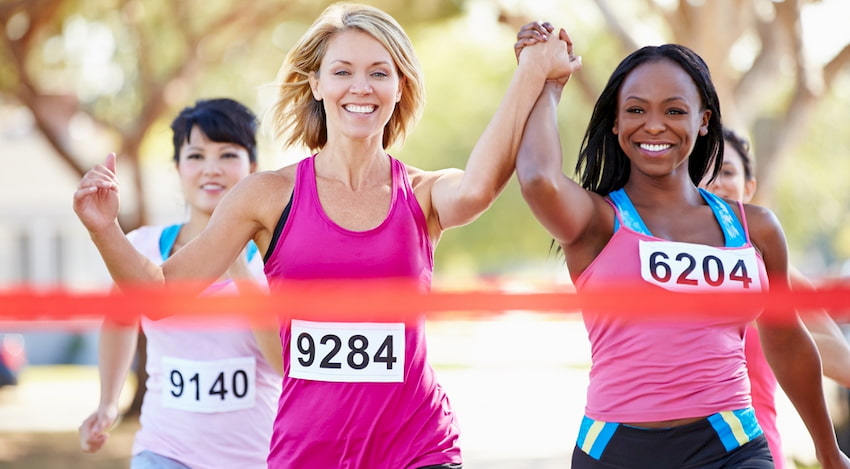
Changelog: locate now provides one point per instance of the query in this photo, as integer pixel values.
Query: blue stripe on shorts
(735, 427)
(594, 436)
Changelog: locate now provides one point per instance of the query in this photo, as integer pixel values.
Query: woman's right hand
(94, 430)
(96, 199)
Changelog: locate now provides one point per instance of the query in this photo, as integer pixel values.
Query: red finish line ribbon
(395, 301)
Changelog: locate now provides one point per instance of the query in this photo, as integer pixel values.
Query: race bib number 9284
(347, 352)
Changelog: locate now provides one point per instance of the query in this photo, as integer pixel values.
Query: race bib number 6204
(347, 352)
(685, 267)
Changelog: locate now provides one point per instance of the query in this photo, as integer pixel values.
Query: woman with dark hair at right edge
(665, 393)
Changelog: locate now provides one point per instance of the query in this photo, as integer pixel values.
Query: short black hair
(222, 120)
(742, 146)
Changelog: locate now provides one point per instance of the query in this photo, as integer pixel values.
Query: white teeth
(655, 147)
(359, 109)
(213, 187)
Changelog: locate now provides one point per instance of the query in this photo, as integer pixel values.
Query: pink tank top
(763, 384)
(210, 399)
(357, 394)
(652, 370)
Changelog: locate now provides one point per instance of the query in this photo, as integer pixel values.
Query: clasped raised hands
(557, 51)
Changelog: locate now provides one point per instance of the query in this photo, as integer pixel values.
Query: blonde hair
(298, 118)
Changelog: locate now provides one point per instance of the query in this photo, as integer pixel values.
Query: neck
(356, 164)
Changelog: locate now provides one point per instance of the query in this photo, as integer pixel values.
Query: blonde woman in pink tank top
(349, 89)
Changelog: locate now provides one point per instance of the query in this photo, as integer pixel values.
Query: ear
(703, 127)
(313, 78)
(616, 129)
(253, 167)
(401, 82)
(749, 190)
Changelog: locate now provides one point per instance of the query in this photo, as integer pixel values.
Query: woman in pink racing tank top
(665, 393)
(737, 181)
(357, 392)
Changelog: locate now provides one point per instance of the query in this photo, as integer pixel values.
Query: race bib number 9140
(209, 385)
(687, 267)
(347, 352)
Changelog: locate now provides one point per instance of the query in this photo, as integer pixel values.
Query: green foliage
(810, 200)
(117, 57)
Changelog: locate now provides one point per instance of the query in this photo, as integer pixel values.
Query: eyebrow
(227, 145)
(346, 62)
(667, 100)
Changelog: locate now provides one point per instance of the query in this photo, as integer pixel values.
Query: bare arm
(563, 207)
(116, 350)
(267, 336)
(572, 215)
(833, 347)
(458, 197)
(789, 348)
(206, 258)
(268, 340)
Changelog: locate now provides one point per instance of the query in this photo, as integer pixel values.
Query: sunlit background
(80, 78)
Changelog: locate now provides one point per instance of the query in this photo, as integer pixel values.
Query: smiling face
(659, 118)
(359, 86)
(208, 170)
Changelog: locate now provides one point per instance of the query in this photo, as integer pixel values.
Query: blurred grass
(39, 418)
(61, 450)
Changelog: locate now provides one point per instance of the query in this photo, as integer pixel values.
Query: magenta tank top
(357, 394)
(652, 369)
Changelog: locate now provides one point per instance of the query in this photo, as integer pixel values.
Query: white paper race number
(209, 386)
(360, 352)
(687, 267)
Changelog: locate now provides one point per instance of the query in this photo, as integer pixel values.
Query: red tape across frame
(388, 300)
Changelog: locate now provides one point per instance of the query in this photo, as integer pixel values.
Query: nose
(360, 85)
(654, 123)
(212, 166)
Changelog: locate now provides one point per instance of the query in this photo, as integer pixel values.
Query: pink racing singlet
(357, 394)
(210, 399)
(653, 370)
(763, 384)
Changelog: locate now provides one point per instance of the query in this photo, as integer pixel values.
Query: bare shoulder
(766, 233)
(266, 193)
(761, 220)
(284, 175)
(420, 177)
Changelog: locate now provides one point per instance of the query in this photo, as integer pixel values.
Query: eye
(634, 110)
(380, 74)
(677, 112)
(342, 73)
(194, 156)
(229, 154)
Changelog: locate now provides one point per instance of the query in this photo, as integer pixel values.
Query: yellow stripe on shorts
(736, 426)
(592, 435)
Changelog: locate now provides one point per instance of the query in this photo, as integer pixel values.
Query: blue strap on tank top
(733, 231)
(169, 236)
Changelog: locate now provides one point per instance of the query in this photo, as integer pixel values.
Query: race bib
(209, 386)
(684, 267)
(358, 352)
